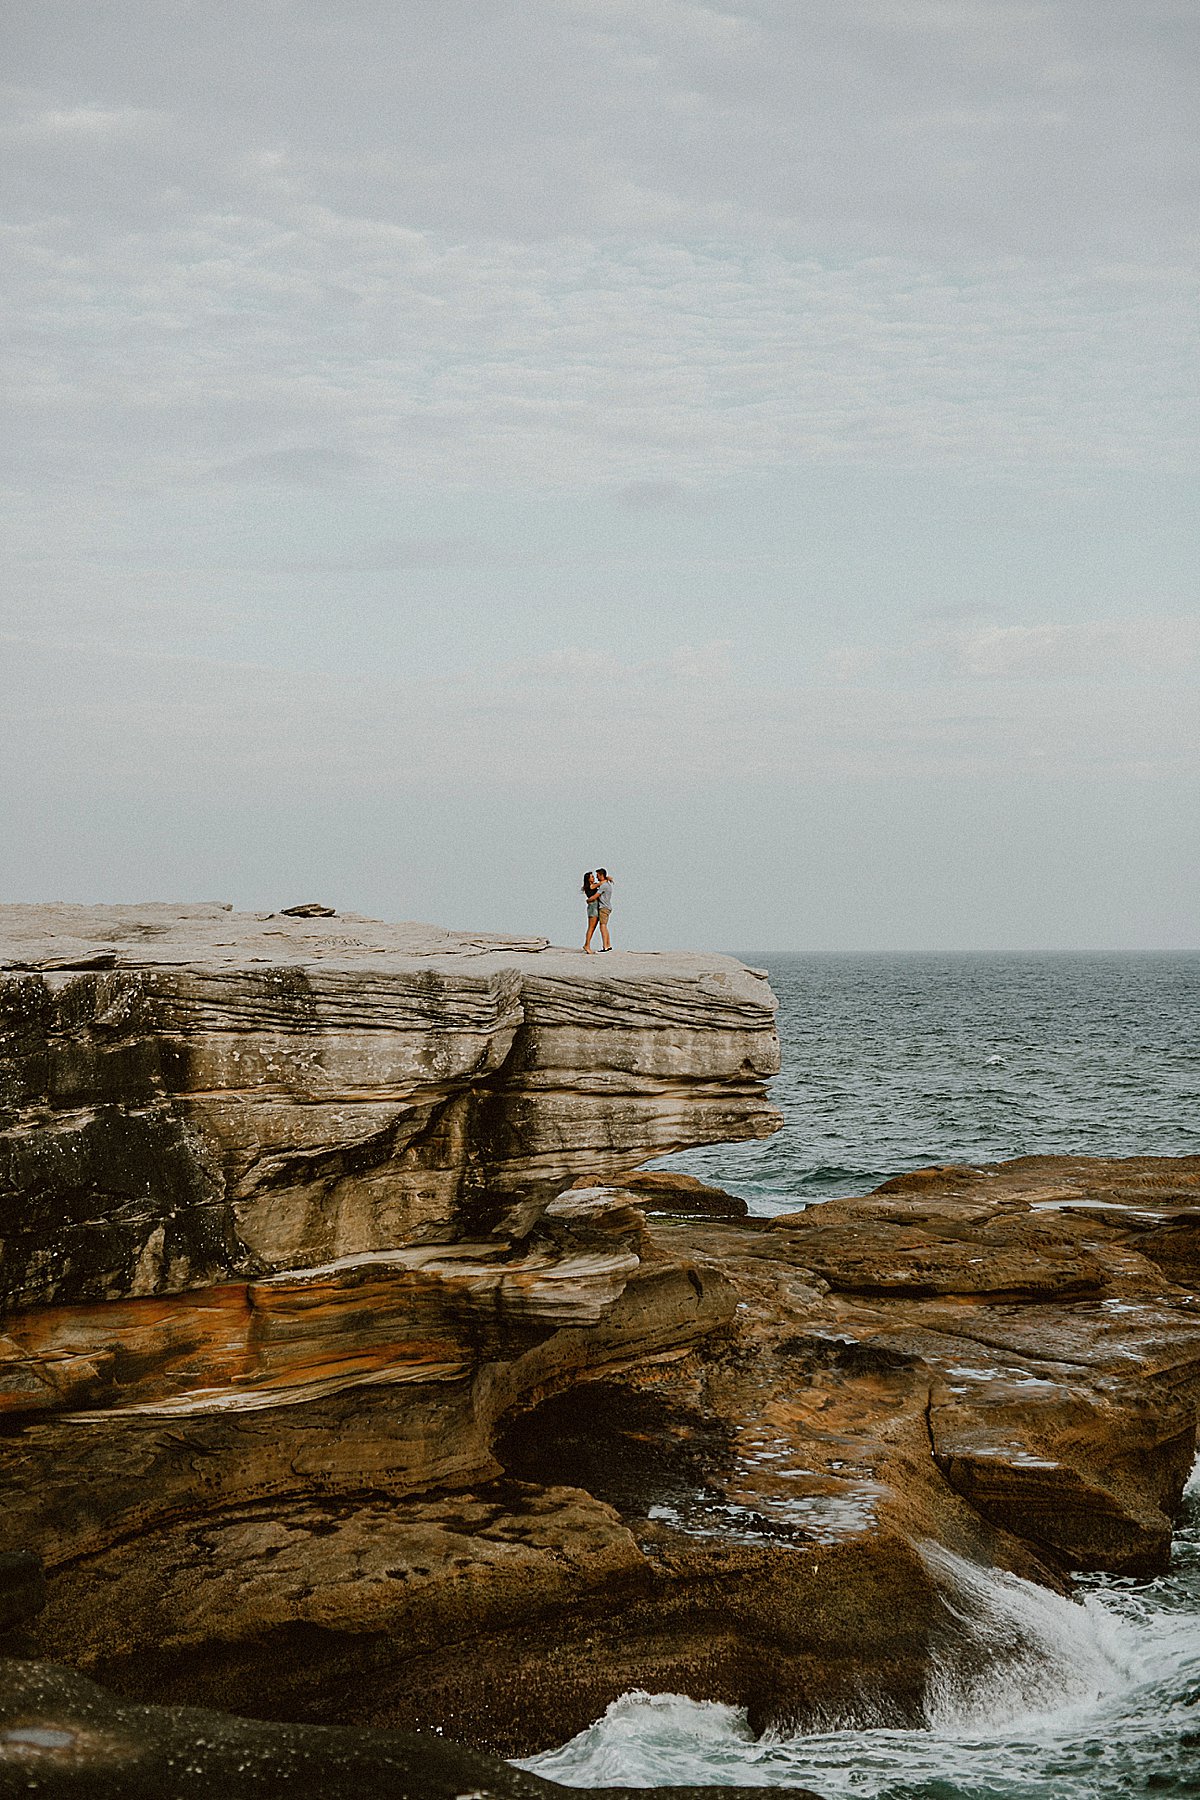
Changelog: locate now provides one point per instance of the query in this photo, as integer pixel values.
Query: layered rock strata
(282, 1242)
(189, 1094)
(439, 1440)
(763, 1475)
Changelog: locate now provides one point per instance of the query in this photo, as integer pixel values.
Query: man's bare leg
(604, 931)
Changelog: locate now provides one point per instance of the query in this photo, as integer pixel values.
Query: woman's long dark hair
(589, 883)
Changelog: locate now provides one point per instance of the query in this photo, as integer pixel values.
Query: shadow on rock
(61, 1736)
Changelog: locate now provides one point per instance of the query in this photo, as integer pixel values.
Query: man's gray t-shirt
(604, 897)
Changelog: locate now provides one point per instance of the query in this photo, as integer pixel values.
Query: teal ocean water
(895, 1062)
(891, 1063)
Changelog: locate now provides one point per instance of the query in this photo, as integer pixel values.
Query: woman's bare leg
(587, 942)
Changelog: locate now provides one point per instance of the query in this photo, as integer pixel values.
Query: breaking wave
(1036, 1697)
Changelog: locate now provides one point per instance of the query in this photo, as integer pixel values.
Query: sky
(751, 445)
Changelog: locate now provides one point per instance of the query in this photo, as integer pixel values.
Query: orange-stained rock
(723, 1478)
(425, 1314)
(327, 1398)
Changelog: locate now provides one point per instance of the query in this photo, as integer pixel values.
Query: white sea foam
(1033, 1697)
(1019, 1651)
(656, 1740)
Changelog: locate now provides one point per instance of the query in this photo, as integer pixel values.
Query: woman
(591, 887)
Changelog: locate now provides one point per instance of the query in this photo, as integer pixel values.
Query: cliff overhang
(190, 1095)
(351, 1374)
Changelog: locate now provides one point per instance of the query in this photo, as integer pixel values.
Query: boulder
(663, 1191)
(66, 1739)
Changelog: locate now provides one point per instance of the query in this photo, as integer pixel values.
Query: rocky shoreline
(353, 1376)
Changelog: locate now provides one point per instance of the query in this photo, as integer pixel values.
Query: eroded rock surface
(287, 1232)
(441, 1423)
(663, 1191)
(234, 1095)
(755, 1474)
(66, 1739)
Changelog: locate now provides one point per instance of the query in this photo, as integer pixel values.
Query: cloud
(656, 496)
(177, 724)
(388, 554)
(646, 246)
(711, 662)
(572, 667)
(664, 18)
(569, 668)
(304, 298)
(311, 465)
(660, 368)
(1074, 650)
(854, 662)
(915, 127)
(91, 125)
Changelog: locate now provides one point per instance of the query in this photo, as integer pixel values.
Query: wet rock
(22, 1587)
(327, 1399)
(663, 1191)
(66, 1739)
(728, 1485)
(1058, 1366)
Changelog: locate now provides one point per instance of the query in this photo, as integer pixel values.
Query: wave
(1034, 1696)
(821, 1174)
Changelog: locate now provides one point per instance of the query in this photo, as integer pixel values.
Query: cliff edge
(288, 1230)
(189, 1094)
(351, 1376)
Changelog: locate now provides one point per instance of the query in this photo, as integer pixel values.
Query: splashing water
(1090, 1699)
(890, 1063)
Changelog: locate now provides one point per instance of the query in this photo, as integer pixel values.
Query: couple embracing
(597, 891)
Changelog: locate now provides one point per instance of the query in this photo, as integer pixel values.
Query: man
(604, 902)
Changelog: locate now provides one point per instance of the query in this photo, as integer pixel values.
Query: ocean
(896, 1062)
(892, 1063)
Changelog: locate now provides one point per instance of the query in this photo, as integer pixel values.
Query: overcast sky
(752, 445)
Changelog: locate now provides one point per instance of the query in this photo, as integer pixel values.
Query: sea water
(1096, 1698)
(892, 1063)
(896, 1062)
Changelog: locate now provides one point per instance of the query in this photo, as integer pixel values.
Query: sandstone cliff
(328, 1399)
(764, 1474)
(188, 1094)
(280, 1233)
